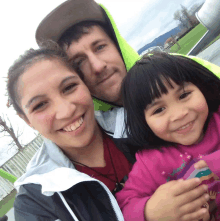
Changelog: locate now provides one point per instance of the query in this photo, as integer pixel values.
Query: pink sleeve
(213, 162)
(138, 189)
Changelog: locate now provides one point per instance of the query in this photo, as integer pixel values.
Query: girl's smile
(178, 116)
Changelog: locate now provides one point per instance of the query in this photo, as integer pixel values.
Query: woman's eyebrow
(33, 100)
(44, 95)
(67, 79)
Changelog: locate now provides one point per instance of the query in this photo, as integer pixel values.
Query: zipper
(112, 199)
(67, 206)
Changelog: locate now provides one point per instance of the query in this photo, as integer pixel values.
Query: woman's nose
(65, 109)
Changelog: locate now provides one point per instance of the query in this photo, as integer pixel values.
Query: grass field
(7, 203)
(189, 40)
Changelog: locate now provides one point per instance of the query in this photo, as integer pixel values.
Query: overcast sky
(139, 21)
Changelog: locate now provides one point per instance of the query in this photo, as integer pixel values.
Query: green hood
(212, 67)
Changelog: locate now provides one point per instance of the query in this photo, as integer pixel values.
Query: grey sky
(139, 21)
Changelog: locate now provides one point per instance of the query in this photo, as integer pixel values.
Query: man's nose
(64, 109)
(97, 64)
(178, 112)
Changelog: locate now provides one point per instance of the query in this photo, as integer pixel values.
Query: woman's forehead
(44, 75)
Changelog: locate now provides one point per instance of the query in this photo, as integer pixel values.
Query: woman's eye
(69, 88)
(39, 106)
(184, 95)
(159, 110)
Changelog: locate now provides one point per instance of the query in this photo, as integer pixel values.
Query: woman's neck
(93, 154)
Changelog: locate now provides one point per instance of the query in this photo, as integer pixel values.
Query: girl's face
(178, 116)
(57, 104)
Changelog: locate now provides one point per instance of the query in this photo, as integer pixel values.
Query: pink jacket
(154, 168)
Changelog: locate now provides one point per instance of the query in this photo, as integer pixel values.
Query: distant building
(169, 42)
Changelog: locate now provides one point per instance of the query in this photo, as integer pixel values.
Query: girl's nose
(178, 113)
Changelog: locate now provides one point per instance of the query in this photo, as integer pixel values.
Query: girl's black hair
(145, 82)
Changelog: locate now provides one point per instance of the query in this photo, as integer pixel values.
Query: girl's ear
(23, 117)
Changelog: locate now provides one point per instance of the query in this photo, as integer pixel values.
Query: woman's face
(57, 104)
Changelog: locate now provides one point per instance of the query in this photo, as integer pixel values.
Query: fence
(17, 165)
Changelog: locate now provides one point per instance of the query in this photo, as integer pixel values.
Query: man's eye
(184, 95)
(69, 88)
(78, 62)
(159, 110)
(100, 47)
(39, 106)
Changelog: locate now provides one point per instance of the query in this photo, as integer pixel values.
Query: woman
(62, 181)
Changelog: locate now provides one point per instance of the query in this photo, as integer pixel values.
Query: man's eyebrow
(97, 41)
(79, 54)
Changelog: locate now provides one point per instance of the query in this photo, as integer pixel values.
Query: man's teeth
(185, 126)
(75, 125)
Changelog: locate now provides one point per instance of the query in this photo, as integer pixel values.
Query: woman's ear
(23, 117)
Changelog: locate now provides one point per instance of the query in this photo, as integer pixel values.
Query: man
(89, 35)
(97, 49)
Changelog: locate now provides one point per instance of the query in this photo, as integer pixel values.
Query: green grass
(7, 203)
(189, 40)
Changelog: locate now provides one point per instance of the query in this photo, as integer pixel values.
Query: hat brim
(66, 15)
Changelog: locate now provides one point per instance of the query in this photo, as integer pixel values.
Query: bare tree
(7, 130)
(185, 19)
(186, 15)
(178, 17)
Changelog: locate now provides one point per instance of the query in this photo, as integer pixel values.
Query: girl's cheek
(158, 126)
(201, 104)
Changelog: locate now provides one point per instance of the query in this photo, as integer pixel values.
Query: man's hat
(67, 14)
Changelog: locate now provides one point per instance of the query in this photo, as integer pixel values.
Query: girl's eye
(39, 106)
(184, 95)
(159, 110)
(69, 88)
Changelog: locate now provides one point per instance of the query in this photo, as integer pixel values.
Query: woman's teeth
(75, 125)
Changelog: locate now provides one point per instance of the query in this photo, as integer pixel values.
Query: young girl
(173, 115)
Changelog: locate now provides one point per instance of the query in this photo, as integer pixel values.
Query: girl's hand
(200, 164)
(180, 200)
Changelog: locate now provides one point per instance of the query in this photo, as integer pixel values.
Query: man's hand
(180, 200)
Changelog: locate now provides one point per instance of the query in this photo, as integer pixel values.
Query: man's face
(101, 64)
